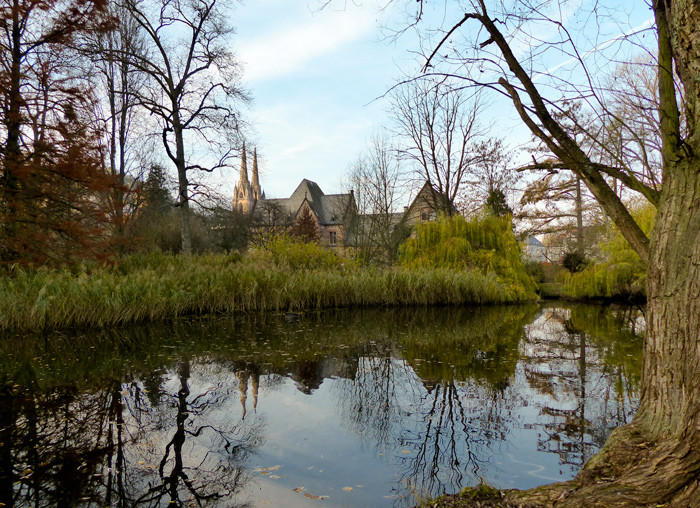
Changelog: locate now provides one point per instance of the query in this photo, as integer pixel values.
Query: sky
(317, 77)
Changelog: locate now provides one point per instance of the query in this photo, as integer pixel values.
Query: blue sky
(317, 76)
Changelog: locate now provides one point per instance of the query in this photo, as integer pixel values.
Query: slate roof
(531, 240)
(329, 208)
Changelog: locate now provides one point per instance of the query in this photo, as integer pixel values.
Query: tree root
(628, 471)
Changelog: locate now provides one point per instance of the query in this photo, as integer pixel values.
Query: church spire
(256, 178)
(243, 183)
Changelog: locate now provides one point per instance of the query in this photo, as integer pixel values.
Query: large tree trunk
(655, 460)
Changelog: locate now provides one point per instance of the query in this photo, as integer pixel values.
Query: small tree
(496, 203)
(305, 227)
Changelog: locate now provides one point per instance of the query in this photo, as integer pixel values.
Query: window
(331, 238)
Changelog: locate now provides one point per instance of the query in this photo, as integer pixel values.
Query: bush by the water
(617, 269)
(281, 276)
(486, 244)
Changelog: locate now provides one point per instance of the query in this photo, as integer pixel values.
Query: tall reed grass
(159, 286)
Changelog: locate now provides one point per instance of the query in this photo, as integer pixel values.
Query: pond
(369, 407)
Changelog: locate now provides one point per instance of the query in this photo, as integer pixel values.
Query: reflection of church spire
(255, 382)
(243, 388)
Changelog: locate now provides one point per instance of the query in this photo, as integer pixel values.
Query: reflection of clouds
(419, 387)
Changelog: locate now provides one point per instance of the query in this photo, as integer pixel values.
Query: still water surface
(339, 408)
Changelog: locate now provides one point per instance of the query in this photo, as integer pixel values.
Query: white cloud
(302, 39)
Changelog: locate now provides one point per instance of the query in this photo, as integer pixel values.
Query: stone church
(335, 215)
(332, 213)
(246, 194)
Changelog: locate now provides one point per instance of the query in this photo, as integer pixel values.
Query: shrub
(288, 252)
(535, 270)
(618, 270)
(574, 261)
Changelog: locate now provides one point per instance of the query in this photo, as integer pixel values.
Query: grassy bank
(159, 286)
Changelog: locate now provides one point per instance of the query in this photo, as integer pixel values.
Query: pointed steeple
(256, 178)
(243, 183)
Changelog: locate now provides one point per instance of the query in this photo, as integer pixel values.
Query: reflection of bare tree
(372, 400)
(49, 450)
(440, 410)
(206, 477)
(63, 448)
(580, 405)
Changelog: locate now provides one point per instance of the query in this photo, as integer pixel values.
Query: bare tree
(654, 459)
(375, 178)
(440, 125)
(107, 59)
(193, 86)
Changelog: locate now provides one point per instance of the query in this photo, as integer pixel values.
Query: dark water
(342, 408)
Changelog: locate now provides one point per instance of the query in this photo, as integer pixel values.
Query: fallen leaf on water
(299, 489)
(405, 451)
(276, 477)
(311, 496)
(265, 472)
(347, 489)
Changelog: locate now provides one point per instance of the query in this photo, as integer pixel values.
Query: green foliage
(157, 286)
(619, 271)
(574, 261)
(486, 244)
(226, 229)
(535, 270)
(294, 253)
(496, 203)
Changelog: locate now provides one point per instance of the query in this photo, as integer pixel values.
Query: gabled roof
(330, 209)
(531, 240)
(428, 195)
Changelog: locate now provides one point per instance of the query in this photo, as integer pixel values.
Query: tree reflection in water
(159, 415)
(431, 393)
(444, 398)
(580, 407)
(115, 447)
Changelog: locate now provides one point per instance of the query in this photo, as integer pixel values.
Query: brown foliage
(51, 164)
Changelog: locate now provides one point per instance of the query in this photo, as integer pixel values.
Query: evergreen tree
(496, 203)
(305, 227)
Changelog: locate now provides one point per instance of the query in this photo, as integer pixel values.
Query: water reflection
(229, 411)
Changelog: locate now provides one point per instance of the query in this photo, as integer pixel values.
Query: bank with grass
(283, 275)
